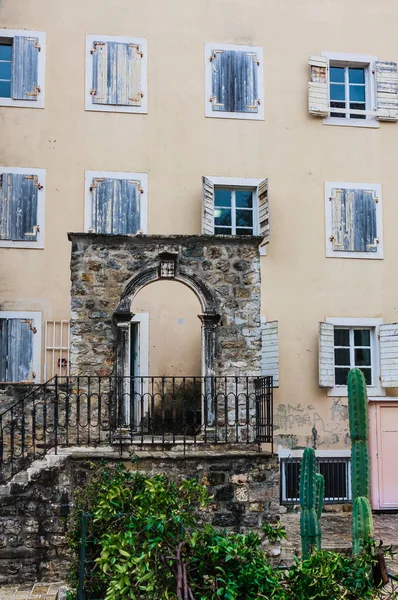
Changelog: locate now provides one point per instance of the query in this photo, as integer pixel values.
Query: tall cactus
(362, 521)
(311, 501)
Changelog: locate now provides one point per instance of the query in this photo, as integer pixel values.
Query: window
(353, 220)
(351, 89)
(20, 347)
(116, 74)
(352, 348)
(234, 81)
(116, 203)
(22, 59)
(22, 207)
(232, 206)
(335, 470)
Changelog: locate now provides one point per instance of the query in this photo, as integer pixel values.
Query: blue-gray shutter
(129, 91)
(25, 68)
(104, 72)
(354, 223)
(116, 206)
(234, 81)
(116, 74)
(16, 350)
(18, 207)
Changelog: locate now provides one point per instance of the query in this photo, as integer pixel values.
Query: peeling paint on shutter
(263, 211)
(18, 207)
(207, 207)
(318, 86)
(16, 350)
(270, 350)
(25, 64)
(386, 91)
(389, 354)
(129, 91)
(117, 74)
(116, 206)
(104, 72)
(234, 81)
(326, 355)
(354, 224)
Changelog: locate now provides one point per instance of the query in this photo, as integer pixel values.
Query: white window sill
(372, 123)
(25, 245)
(218, 114)
(116, 108)
(341, 391)
(367, 255)
(39, 103)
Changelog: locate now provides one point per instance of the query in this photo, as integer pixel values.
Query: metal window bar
(335, 469)
(57, 350)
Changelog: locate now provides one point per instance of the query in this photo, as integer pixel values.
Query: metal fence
(162, 411)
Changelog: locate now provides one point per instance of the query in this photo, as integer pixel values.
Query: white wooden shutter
(270, 350)
(389, 354)
(207, 207)
(263, 211)
(326, 355)
(318, 86)
(386, 91)
(129, 59)
(25, 61)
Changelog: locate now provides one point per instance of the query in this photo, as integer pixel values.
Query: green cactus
(311, 502)
(362, 524)
(362, 521)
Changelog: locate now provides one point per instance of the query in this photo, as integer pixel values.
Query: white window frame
(373, 324)
(245, 183)
(41, 194)
(36, 318)
(39, 103)
(259, 115)
(89, 105)
(355, 60)
(89, 176)
(375, 187)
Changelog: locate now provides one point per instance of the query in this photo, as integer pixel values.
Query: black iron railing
(161, 411)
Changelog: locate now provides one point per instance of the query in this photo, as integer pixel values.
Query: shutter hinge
(36, 229)
(254, 55)
(136, 46)
(95, 181)
(214, 55)
(95, 46)
(212, 98)
(36, 181)
(93, 92)
(33, 375)
(36, 91)
(35, 45)
(137, 98)
(257, 103)
(30, 323)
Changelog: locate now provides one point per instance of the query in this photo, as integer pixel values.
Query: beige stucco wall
(175, 144)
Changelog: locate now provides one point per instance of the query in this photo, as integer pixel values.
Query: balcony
(131, 413)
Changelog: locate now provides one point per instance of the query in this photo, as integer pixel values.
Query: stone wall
(12, 393)
(225, 270)
(33, 513)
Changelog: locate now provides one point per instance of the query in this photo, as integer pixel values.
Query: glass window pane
(340, 376)
(5, 70)
(337, 74)
(5, 89)
(222, 216)
(341, 337)
(337, 105)
(357, 93)
(244, 218)
(337, 92)
(361, 337)
(244, 231)
(222, 197)
(356, 75)
(222, 231)
(342, 356)
(362, 357)
(244, 198)
(357, 106)
(368, 375)
(5, 52)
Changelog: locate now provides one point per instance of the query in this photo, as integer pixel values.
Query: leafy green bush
(143, 542)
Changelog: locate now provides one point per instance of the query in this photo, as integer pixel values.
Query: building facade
(275, 120)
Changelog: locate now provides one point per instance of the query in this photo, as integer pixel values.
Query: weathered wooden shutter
(104, 72)
(386, 91)
(207, 207)
(16, 350)
(129, 87)
(354, 223)
(234, 81)
(25, 68)
(270, 350)
(326, 355)
(389, 354)
(318, 86)
(263, 211)
(116, 205)
(18, 207)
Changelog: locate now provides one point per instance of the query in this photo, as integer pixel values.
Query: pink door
(383, 429)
